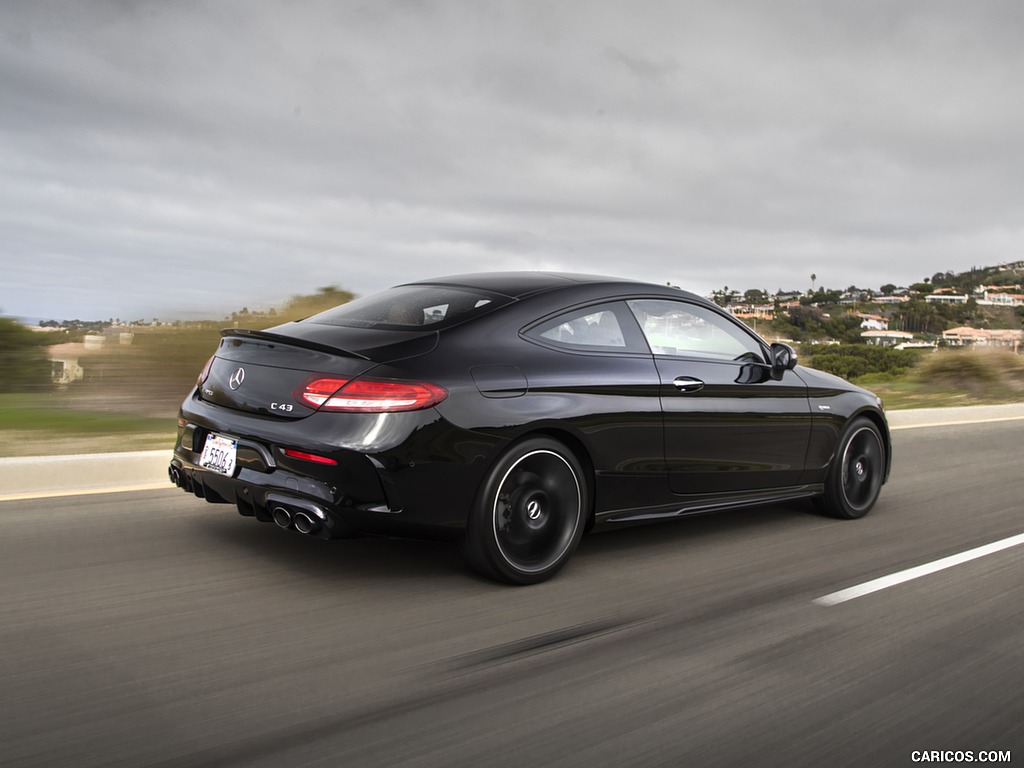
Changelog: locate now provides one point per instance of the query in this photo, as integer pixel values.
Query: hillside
(985, 298)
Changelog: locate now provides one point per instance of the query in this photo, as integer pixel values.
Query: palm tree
(814, 279)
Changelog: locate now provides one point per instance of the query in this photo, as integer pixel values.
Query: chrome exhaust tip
(305, 524)
(282, 517)
(175, 474)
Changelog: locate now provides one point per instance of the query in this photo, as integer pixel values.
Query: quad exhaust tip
(282, 517)
(305, 524)
(302, 522)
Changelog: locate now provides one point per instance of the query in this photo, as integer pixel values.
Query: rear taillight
(328, 393)
(205, 373)
(317, 390)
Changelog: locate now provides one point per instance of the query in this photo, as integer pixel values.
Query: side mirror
(784, 359)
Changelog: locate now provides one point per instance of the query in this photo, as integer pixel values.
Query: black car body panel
(661, 423)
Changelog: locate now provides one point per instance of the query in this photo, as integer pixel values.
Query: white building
(873, 322)
(886, 338)
(1000, 299)
(947, 298)
(64, 365)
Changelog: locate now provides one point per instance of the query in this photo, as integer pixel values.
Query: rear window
(412, 307)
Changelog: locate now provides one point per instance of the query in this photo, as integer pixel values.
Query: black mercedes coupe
(513, 412)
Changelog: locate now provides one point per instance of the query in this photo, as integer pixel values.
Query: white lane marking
(85, 492)
(955, 423)
(915, 573)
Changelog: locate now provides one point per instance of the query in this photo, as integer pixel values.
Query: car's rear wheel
(856, 474)
(529, 514)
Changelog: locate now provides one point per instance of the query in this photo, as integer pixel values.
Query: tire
(856, 473)
(529, 514)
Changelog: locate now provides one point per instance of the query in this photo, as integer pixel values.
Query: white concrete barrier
(24, 477)
(946, 417)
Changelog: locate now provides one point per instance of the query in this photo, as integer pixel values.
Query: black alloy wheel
(858, 468)
(530, 514)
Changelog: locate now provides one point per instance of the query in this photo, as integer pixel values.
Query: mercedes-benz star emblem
(237, 378)
(533, 510)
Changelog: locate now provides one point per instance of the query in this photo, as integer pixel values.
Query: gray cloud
(180, 158)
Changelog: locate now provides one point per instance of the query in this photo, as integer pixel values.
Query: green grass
(953, 377)
(902, 395)
(44, 412)
(39, 424)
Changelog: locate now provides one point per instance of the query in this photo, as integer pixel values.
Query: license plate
(219, 455)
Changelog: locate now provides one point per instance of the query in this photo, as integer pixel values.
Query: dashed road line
(900, 577)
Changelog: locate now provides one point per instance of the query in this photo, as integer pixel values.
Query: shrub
(973, 369)
(854, 360)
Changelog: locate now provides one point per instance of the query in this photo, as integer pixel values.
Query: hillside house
(886, 338)
(752, 311)
(65, 367)
(991, 298)
(980, 337)
(872, 322)
(947, 298)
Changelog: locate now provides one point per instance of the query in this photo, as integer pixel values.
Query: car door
(729, 425)
(592, 370)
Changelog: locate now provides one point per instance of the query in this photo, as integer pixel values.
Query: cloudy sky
(174, 159)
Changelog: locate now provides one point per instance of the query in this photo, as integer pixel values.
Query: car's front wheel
(856, 473)
(529, 514)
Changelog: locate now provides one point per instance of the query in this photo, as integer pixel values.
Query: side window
(687, 330)
(595, 328)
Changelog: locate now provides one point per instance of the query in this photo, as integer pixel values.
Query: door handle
(688, 384)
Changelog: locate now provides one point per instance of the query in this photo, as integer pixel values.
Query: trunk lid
(259, 371)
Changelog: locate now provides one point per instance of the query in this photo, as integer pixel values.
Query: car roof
(518, 285)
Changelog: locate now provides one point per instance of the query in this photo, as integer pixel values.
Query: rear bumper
(268, 502)
(326, 502)
(419, 483)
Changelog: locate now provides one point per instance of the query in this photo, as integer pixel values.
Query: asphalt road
(152, 629)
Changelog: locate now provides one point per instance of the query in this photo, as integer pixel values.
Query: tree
(23, 358)
(807, 318)
(966, 286)
(920, 317)
(821, 297)
(724, 297)
(888, 289)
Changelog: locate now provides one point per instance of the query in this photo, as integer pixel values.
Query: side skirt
(699, 505)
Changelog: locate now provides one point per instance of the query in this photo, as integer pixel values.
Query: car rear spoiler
(293, 341)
